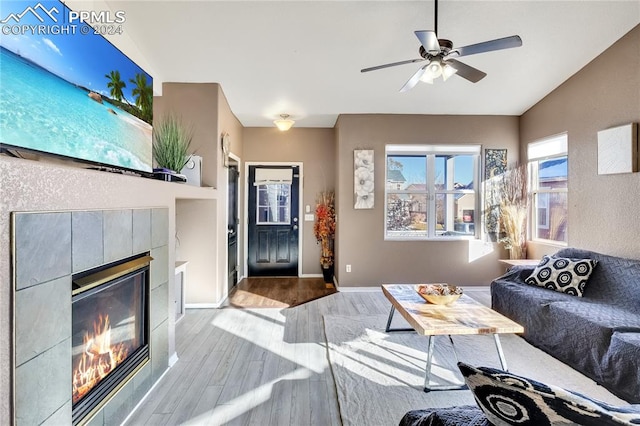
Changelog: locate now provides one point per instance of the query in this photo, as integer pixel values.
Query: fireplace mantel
(39, 187)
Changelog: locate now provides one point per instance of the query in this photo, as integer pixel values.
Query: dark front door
(273, 220)
(232, 227)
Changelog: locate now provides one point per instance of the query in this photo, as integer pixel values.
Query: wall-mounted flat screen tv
(66, 90)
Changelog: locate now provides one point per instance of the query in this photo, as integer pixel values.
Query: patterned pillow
(507, 400)
(561, 274)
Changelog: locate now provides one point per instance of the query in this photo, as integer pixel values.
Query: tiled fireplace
(90, 313)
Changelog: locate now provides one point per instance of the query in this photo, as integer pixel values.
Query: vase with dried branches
(513, 196)
(325, 227)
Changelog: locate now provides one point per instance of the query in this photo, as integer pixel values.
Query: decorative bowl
(439, 294)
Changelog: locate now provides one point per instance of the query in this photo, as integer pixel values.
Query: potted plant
(171, 142)
(324, 230)
(513, 204)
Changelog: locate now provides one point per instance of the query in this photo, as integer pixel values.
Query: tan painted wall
(315, 148)
(360, 235)
(201, 228)
(228, 123)
(197, 105)
(605, 93)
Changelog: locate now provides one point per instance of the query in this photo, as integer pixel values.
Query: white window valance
(273, 176)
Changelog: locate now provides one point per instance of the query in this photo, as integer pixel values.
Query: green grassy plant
(171, 141)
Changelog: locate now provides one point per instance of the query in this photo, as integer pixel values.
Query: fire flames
(99, 358)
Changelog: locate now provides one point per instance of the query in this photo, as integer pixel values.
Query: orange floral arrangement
(325, 226)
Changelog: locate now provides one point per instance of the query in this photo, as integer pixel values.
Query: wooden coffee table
(465, 316)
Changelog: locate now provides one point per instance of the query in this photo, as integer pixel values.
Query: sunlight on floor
(315, 358)
(246, 402)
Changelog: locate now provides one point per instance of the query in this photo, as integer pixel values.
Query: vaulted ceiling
(304, 58)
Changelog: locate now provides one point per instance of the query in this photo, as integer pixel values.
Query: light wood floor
(256, 366)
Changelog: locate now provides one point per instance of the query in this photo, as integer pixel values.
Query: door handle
(229, 231)
(295, 227)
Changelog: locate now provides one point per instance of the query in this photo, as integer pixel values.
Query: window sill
(550, 243)
(457, 238)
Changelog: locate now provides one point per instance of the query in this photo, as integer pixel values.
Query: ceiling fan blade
(487, 46)
(429, 41)
(393, 64)
(415, 78)
(470, 73)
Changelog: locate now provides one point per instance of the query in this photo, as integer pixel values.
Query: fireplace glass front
(109, 333)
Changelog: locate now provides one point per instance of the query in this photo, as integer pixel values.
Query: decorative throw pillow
(561, 274)
(507, 399)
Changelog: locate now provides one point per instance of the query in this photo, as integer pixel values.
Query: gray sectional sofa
(597, 334)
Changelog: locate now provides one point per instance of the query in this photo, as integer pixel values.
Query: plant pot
(327, 274)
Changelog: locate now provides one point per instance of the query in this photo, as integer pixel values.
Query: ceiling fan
(440, 53)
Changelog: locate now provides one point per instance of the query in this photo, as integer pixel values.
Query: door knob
(295, 227)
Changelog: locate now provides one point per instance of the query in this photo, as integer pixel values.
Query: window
(431, 191)
(274, 204)
(548, 169)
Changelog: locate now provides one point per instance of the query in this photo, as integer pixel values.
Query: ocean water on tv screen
(43, 112)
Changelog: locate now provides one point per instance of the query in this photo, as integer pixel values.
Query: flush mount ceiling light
(284, 123)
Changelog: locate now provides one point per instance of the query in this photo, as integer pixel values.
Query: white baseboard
(203, 305)
(146, 395)
(466, 289)
(311, 276)
(357, 289)
(173, 359)
(472, 288)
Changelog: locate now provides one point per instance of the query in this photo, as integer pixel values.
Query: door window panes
(274, 204)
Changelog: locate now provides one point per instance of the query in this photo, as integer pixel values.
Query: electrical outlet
(348, 267)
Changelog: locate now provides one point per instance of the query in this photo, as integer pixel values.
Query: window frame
(430, 153)
(558, 148)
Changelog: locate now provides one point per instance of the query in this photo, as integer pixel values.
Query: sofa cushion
(464, 415)
(528, 306)
(623, 357)
(562, 274)
(508, 399)
(582, 332)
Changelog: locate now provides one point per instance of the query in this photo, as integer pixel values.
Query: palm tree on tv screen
(143, 96)
(116, 85)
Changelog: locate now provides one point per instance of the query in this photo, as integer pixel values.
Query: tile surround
(141, 230)
(159, 227)
(47, 238)
(118, 234)
(49, 246)
(87, 247)
(43, 385)
(43, 318)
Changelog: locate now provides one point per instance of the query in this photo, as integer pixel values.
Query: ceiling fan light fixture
(426, 78)
(434, 70)
(284, 123)
(448, 71)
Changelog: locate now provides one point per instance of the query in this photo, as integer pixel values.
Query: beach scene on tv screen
(74, 95)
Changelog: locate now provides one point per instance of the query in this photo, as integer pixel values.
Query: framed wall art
(363, 178)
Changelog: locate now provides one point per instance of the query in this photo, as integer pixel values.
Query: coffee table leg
(503, 361)
(427, 376)
(388, 327)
